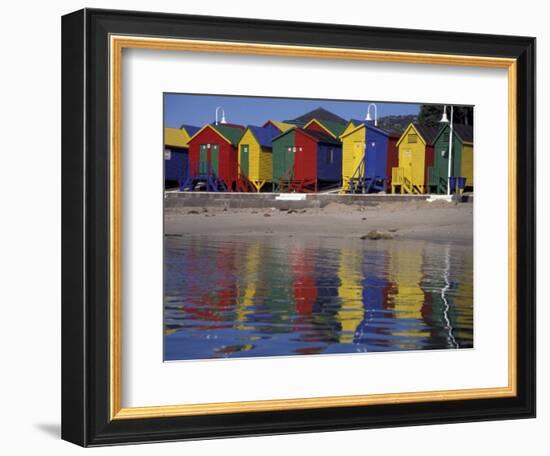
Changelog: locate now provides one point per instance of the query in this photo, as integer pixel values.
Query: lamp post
(223, 115)
(445, 120)
(369, 118)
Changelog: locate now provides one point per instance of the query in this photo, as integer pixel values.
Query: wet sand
(436, 221)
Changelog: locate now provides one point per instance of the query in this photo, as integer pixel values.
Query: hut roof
(464, 132)
(232, 132)
(321, 137)
(175, 137)
(282, 126)
(191, 130)
(428, 133)
(263, 135)
(334, 128)
(319, 114)
(361, 123)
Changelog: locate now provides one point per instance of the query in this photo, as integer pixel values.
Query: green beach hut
(462, 172)
(283, 147)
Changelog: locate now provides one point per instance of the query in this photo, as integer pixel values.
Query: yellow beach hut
(256, 158)
(415, 156)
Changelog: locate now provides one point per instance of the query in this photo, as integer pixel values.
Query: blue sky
(198, 110)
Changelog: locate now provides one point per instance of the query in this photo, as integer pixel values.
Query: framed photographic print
(279, 227)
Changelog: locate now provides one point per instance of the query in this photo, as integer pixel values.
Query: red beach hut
(213, 158)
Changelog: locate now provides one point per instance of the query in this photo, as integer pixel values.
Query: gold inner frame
(117, 44)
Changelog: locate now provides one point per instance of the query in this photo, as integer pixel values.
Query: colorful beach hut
(462, 172)
(176, 154)
(305, 161)
(415, 156)
(255, 158)
(213, 158)
(368, 155)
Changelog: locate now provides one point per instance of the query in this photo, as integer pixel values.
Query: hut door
(215, 159)
(371, 159)
(203, 160)
(408, 163)
(358, 153)
(244, 159)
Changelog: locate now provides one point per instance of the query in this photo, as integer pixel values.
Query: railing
(397, 176)
(287, 179)
(244, 184)
(357, 176)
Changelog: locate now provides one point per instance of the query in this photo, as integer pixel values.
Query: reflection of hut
(368, 155)
(407, 297)
(213, 158)
(376, 288)
(462, 159)
(247, 285)
(416, 154)
(350, 291)
(305, 161)
(255, 157)
(303, 275)
(451, 293)
(176, 154)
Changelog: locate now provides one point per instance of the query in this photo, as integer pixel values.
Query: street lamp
(369, 118)
(445, 120)
(223, 115)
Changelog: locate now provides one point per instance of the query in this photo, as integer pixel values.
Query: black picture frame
(85, 225)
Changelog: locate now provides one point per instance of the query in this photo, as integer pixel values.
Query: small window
(412, 138)
(167, 154)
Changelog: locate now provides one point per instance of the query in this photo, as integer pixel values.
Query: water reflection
(238, 297)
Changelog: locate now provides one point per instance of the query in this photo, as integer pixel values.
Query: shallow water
(228, 297)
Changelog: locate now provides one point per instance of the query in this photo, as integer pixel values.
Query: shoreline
(410, 220)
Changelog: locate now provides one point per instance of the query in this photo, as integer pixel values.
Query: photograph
(315, 226)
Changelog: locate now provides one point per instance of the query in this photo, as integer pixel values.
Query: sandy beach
(421, 220)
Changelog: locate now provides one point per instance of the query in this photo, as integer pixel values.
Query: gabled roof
(318, 113)
(364, 124)
(315, 135)
(427, 134)
(334, 129)
(282, 126)
(320, 137)
(175, 137)
(263, 135)
(190, 129)
(464, 132)
(229, 133)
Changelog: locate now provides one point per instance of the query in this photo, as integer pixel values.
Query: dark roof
(231, 132)
(319, 113)
(377, 129)
(191, 130)
(322, 137)
(264, 135)
(465, 132)
(428, 133)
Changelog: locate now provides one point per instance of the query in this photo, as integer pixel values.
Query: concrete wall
(173, 200)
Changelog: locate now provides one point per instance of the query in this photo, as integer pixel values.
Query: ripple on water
(235, 297)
